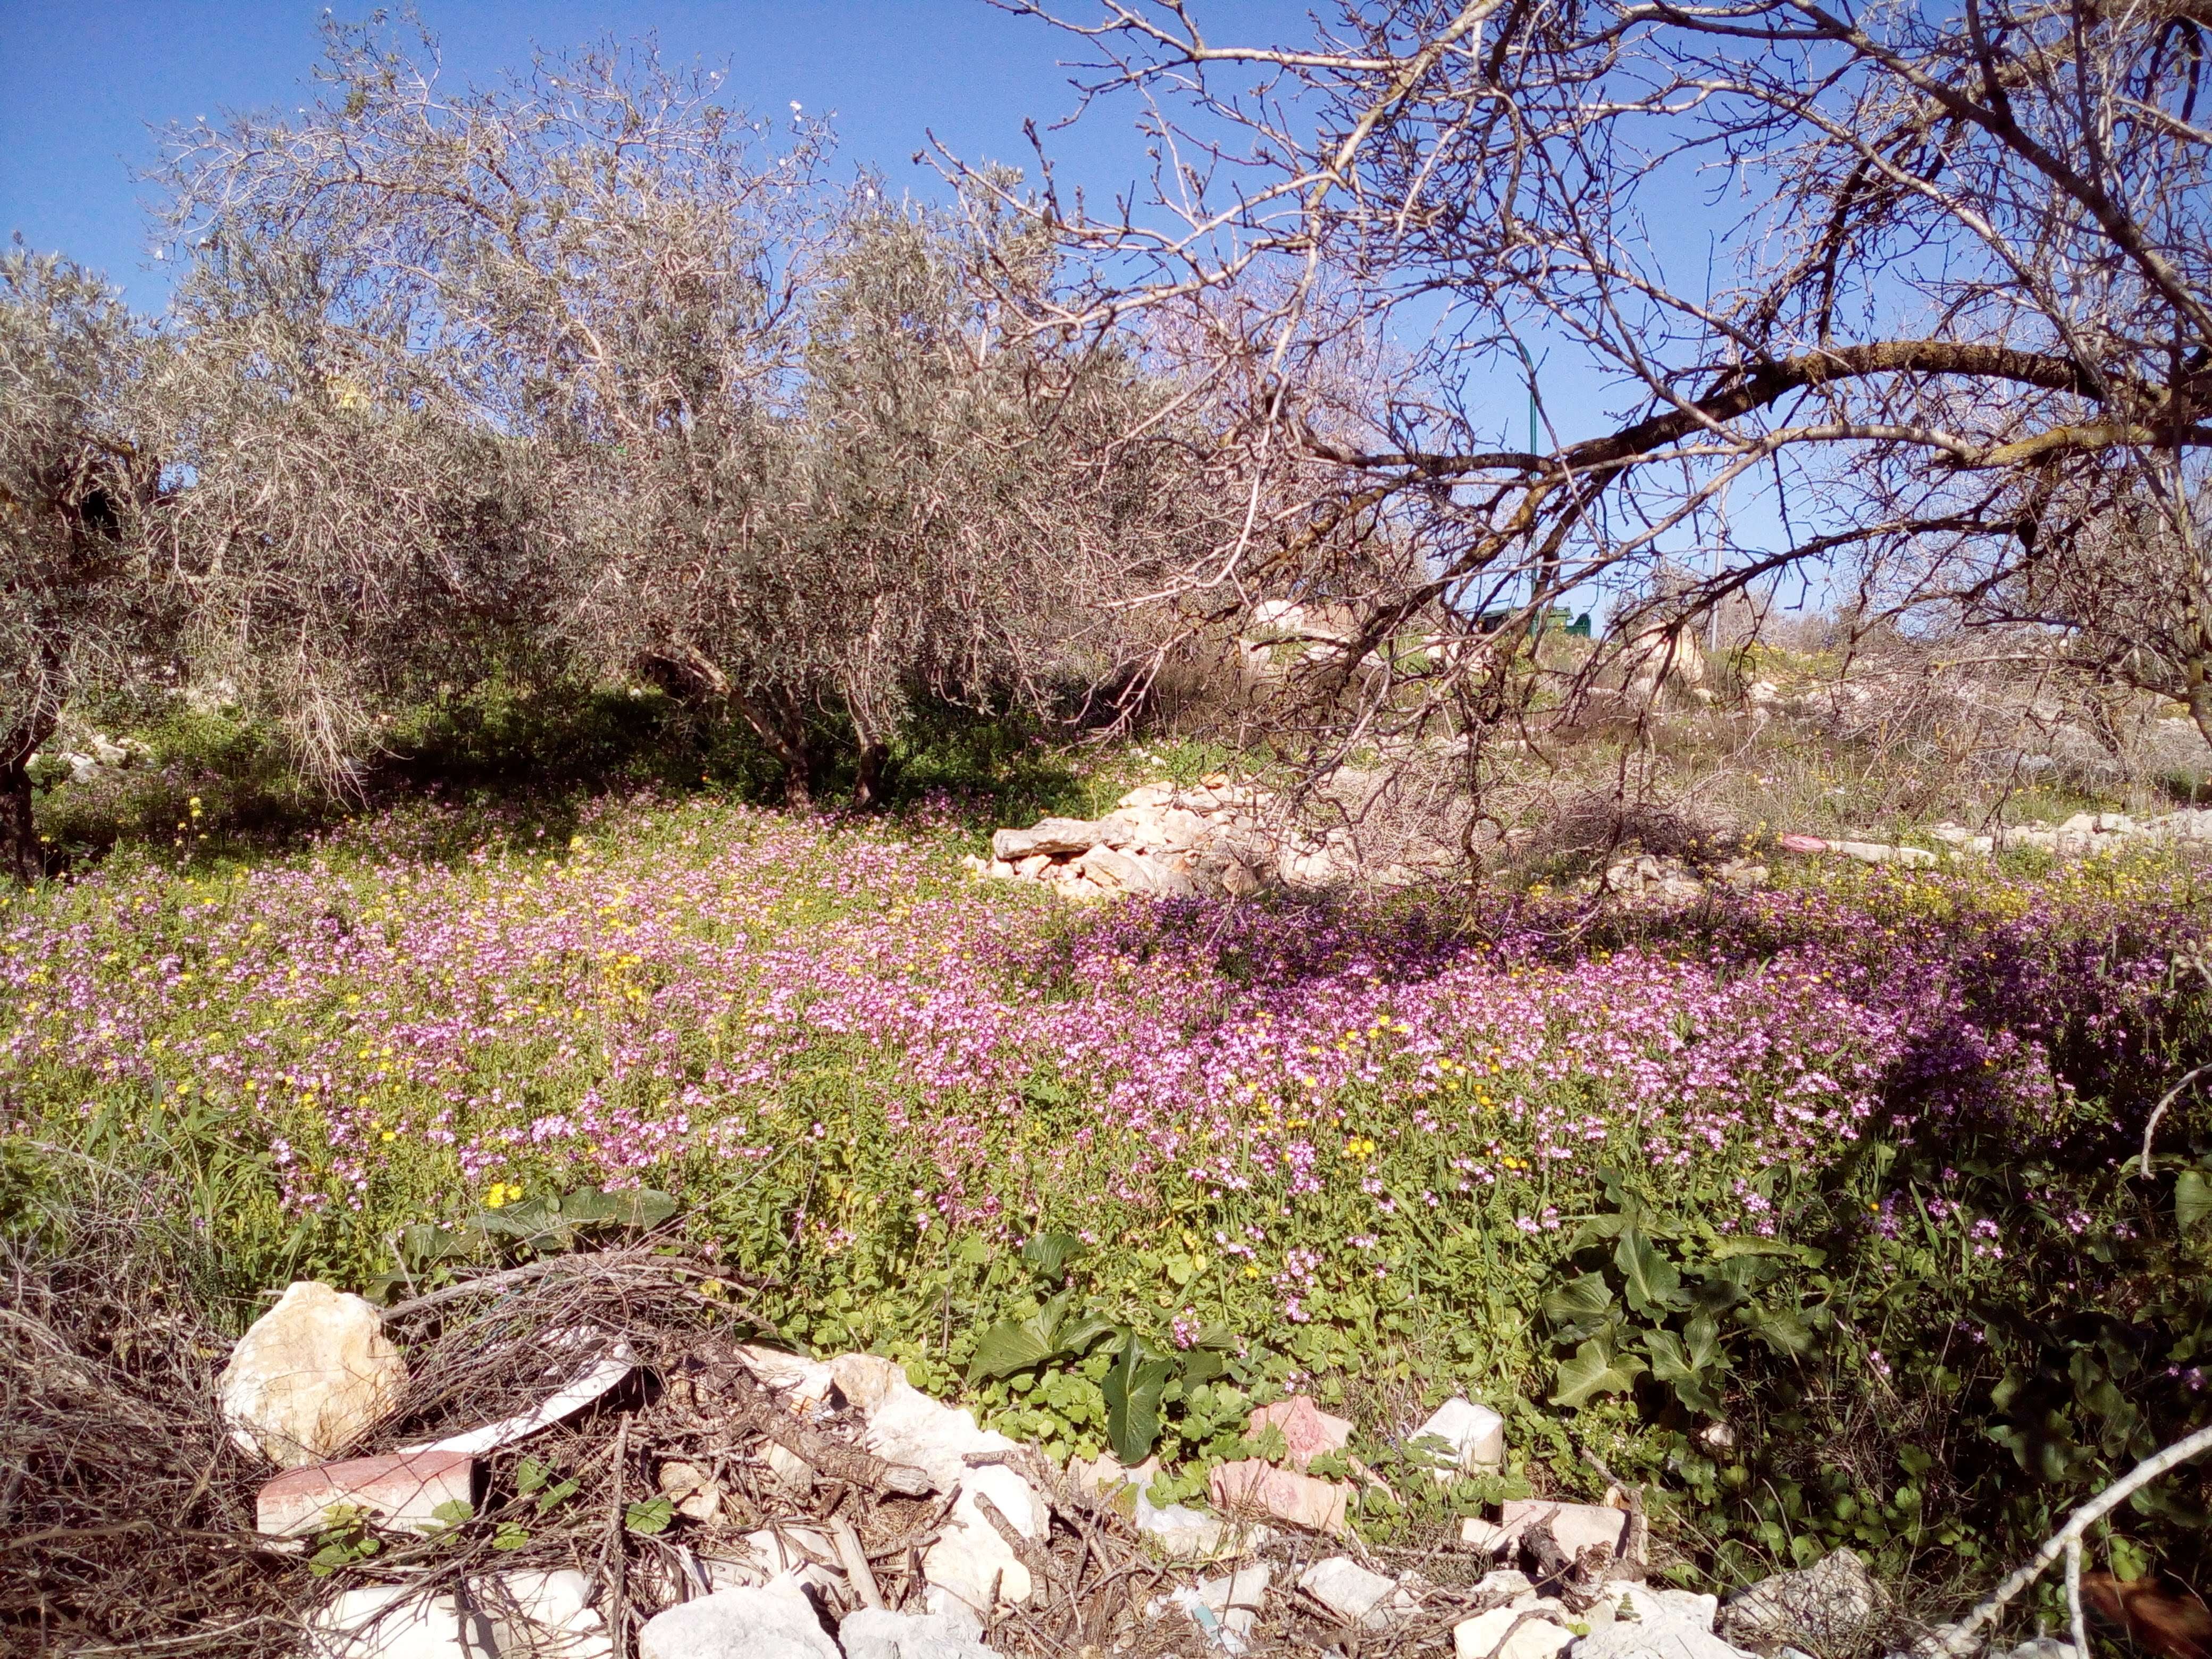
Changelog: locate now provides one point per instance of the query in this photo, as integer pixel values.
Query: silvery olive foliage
(616, 376)
(76, 600)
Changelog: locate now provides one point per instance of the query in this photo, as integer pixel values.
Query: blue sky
(82, 82)
(86, 85)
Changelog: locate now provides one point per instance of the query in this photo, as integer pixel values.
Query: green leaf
(1595, 1370)
(639, 1207)
(2192, 1199)
(1133, 1386)
(653, 1515)
(1782, 1331)
(556, 1495)
(1049, 1255)
(454, 1512)
(1202, 1365)
(1737, 1246)
(1586, 1296)
(1703, 1336)
(1596, 1230)
(1048, 1334)
(1652, 1283)
(511, 1535)
(424, 1243)
(1670, 1360)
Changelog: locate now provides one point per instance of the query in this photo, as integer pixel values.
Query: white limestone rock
(775, 1621)
(546, 1614)
(879, 1634)
(1373, 1600)
(1509, 1633)
(1825, 1606)
(310, 1377)
(1475, 1434)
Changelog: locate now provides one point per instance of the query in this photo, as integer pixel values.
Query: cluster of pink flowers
(645, 1005)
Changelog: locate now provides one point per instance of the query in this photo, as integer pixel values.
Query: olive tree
(78, 598)
(786, 458)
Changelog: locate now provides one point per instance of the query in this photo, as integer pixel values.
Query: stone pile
(1218, 839)
(1273, 1549)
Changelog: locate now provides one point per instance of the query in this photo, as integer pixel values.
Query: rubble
(1574, 1527)
(1511, 1633)
(310, 1377)
(545, 1615)
(1658, 1625)
(878, 1633)
(1225, 1608)
(1373, 1600)
(1308, 1431)
(400, 1489)
(1253, 1486)
(1474, 1435)
(396, 1621)
(1216, 839)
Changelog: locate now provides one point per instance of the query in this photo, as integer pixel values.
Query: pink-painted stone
(1803, 844)
(1308, 1430)
(1252, 1486)
(401, 1489)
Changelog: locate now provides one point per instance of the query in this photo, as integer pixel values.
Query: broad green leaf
(1743, 1244)
(1051, 1255)
(2192, 1199)
(1017, 1345)
(1596, 1230)
(1595, 1370)
(1133, 1388)
(640, 1207)
(1669, 1359)
(1782, 1331)
(1701, 1336)
(654, 1515)
(531, 1475)
(1651, 1282)
(1583, 1296)
(425, 1242)
(1202, 1365)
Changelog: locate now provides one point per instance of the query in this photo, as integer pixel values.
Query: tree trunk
(868, 779)
(786, 738)
(19, 836)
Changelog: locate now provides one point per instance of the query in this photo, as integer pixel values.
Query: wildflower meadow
(1810, 1207)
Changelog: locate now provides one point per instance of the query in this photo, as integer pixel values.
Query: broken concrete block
(1475, 1434)
(1307, 1431)
(1226, 1608)
(1253, 1486)
(808, 1381)
(775, 1621)
(310, 1377)
(1663, 1628)
(400, 1489)
(695, 1494)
